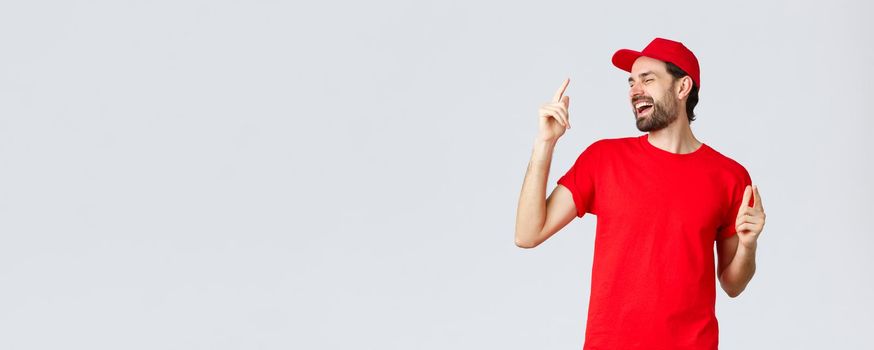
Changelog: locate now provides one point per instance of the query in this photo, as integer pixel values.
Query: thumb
(566, 100)
(745, 202)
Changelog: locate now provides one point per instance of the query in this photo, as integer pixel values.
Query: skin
(537, 218)
(651, 81)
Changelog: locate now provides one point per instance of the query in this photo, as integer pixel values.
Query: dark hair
(692, 99)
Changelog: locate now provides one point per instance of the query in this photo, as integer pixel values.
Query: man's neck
(675, 138)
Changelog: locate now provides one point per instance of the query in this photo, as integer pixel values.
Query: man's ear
(684, 88)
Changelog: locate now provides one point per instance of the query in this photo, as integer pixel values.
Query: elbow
(523, 243)
(735, 294)
(731, 290)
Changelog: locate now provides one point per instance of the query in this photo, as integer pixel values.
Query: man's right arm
(537, 218)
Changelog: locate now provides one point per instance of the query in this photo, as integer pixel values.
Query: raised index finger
(757, 198)
(557, 97)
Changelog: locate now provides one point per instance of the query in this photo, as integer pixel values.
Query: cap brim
(624, 59)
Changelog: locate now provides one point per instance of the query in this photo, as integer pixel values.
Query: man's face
(651, 93)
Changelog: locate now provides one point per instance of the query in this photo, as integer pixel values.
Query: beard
(663, 113)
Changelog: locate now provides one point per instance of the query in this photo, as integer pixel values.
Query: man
(661, 199)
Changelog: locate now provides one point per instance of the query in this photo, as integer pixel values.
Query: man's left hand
(750, 220)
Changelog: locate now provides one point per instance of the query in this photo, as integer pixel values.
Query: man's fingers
(751, 215)
(757, 198)
(556, 114)
(557, 110)
(744, 203)
(750, 219)
(561, 114)
(560, 91)
(566, 100)
(745, 227)
(748, 192)
(748, 227)
(741, 216)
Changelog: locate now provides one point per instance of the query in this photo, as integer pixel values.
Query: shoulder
(617, 141)
(729, 166)
(607, 144)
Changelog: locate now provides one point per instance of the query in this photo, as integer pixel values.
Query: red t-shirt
(659, 214)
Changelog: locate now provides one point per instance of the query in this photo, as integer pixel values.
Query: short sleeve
(736, 188)
(580, 180)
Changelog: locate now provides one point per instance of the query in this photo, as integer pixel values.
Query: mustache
(642, 98)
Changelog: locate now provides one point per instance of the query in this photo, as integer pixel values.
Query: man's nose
(635, 90)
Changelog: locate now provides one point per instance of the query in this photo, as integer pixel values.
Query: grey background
(274, 175)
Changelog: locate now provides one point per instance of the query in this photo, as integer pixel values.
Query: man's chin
(641, 123)
(647, 127)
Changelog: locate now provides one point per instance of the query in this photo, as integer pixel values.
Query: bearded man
(662, 199)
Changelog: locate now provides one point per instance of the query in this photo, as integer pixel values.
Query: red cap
(665, 50)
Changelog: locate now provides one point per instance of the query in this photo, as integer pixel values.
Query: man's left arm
(737, 254)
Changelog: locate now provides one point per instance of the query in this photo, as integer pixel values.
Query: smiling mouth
(642, 107)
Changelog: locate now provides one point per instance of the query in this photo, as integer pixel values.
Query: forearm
(531, 212)
(740, 271)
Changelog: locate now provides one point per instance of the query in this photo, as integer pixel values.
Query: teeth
(641, 104)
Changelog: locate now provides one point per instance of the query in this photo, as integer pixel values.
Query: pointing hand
(750, 220)
(554, 118)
